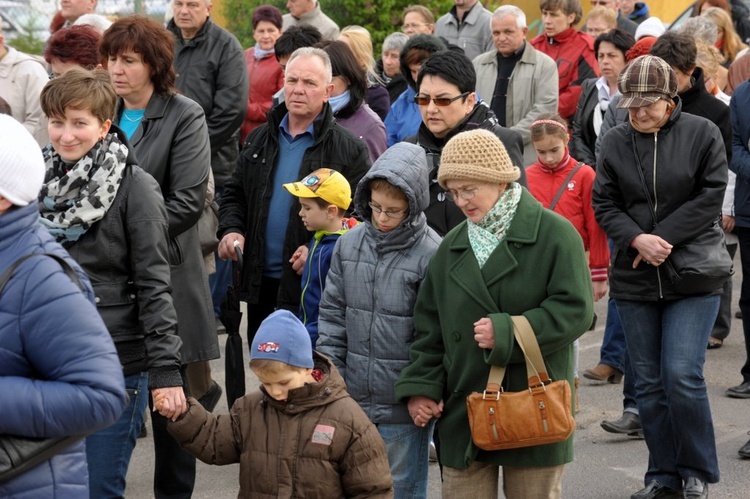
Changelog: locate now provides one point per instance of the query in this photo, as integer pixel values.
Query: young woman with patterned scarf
(110, 216)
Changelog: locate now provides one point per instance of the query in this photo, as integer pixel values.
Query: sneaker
(695, 489)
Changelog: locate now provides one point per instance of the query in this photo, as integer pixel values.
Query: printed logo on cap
(269, 347)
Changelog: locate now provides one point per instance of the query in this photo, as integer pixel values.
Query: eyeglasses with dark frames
(422, 100)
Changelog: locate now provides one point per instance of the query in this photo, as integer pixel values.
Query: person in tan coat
(300, 435)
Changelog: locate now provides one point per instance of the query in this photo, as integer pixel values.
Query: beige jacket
(22, 78)
(532, 91)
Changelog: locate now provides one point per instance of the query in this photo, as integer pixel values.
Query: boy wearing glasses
(366, 314)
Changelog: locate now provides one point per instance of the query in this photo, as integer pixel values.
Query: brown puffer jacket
(318, 444)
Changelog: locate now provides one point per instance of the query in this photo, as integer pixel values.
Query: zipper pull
(543, 411)
(492, 423)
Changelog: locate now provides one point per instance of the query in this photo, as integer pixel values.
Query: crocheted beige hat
(476, 155)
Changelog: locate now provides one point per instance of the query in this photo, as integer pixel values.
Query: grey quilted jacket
(366, 313)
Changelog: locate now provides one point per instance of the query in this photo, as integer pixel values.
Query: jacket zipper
(307, 283)
(656, 206)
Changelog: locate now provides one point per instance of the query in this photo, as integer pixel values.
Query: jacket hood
(405, 166)
(428, 43)
(330, 388)
(15, 222)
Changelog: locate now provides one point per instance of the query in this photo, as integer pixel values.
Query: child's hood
(405, 166)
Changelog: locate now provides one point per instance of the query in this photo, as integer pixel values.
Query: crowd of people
(396, 211)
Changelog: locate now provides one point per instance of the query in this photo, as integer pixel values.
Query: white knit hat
(650, 27)
(21, 163)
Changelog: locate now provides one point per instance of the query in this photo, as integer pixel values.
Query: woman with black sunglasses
(449, 105)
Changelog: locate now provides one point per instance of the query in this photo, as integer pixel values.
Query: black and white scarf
(74, 197)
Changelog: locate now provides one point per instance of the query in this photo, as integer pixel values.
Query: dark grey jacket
(583, 140)
(126, 258)
(211, 70)
(172, 145)
(366, 322)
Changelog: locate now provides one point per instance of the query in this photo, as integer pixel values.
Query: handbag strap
(69, 271)
(535, 369)
(562, 187)
(643, 180)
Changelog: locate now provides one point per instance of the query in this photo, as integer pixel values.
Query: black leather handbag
(20, 454)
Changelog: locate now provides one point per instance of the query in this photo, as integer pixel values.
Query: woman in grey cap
(660, 184)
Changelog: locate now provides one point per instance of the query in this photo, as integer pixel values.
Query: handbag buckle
(492, 394)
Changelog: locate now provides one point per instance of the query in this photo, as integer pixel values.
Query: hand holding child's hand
(422, 409)
(169, 402)
(298, 259)
(484, 333)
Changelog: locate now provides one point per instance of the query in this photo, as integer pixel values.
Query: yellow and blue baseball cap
(326, 184)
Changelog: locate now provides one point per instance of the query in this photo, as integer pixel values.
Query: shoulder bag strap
(562, 187)
(69, 271)
(535, 368)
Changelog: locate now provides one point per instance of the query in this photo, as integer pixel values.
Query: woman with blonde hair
(709, 59)
(359, 40)
(729, 42)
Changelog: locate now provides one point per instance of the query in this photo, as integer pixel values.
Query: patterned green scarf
(487, 235)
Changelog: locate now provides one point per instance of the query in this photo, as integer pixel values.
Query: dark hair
(77, 44)
(325, 204)
(417, 50)
(566, 6)
(677, 49)
(80, 89)
(622, 40)
(452, 67)
(149, 39)
(267, 13)
(5, 107)
(345, 65)
(296, 37)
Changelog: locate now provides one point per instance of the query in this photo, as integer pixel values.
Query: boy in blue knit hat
(301, 434)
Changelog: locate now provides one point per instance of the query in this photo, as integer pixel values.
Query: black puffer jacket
(126, 257)
(211, 70)
(244, 206)
(685, 169)
(442, 214)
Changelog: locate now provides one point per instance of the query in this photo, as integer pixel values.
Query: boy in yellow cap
(324, 196)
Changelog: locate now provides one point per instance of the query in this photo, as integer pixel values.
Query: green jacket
(540, 271)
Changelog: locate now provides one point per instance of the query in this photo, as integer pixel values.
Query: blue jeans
(667, 345)
(408, 449)
(108, 451)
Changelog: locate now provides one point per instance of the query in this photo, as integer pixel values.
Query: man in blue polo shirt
(256, 212)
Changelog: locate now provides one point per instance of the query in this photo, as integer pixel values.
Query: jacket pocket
(176, 255)
(118, 307)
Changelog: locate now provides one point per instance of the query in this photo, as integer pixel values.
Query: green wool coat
(538, 271)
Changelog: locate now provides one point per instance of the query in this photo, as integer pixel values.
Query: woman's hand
(170, 401)
(484, 333)
(651, 248)
(727, 223)
(599, 288)
(422, 409)
(298, 259)
(226, 246)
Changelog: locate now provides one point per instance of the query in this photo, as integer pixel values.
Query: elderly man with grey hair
(256, 212)
(309, 12)
(518, 81)
(388, 67)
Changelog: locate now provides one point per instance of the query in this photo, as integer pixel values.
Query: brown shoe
(603, 372)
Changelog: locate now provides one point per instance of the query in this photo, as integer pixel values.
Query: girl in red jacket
(564, 185)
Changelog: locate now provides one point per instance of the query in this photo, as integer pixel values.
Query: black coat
(685, 169)
(126, 258)
(696, 100)
(211, 70)
(172, 145)
(583, 139)
(246, 199)
(442, 214)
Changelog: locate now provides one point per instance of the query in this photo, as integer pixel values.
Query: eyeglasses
(465, 194)
(377, 210)
(406, 27)
(422, 100)
(603, 3)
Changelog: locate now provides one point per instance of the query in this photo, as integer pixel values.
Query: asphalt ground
(605, 466)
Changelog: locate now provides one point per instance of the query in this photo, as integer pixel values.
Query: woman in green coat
(510, 257)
